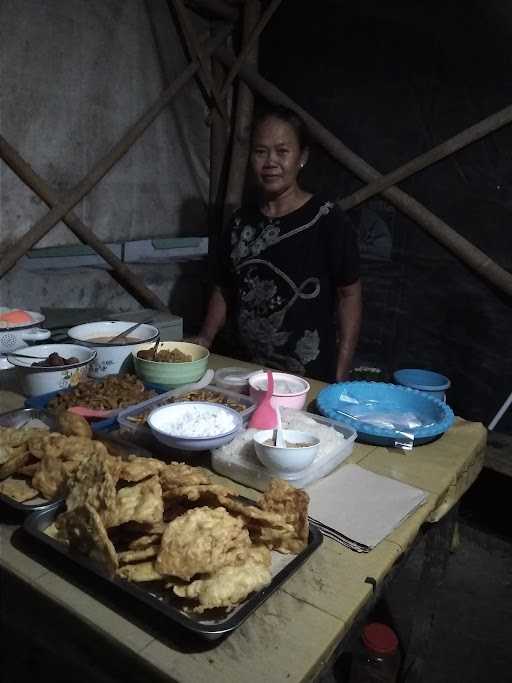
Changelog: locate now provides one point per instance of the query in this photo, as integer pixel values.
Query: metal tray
(18, 418)
(283, 566)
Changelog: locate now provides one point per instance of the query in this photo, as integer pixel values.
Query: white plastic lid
(233, 377)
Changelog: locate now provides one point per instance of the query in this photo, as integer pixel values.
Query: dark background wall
(393, 79)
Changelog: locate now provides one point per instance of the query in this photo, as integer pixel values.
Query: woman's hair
(267, 111)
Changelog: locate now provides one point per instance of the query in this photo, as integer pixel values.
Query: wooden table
(291, 637)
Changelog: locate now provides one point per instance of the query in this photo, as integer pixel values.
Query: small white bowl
(169, 425)
(289, 459)
(36, 381)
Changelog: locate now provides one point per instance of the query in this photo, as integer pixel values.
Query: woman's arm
(214, 320)
(349, 313)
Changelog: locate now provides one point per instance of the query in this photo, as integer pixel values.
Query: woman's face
(276, 156)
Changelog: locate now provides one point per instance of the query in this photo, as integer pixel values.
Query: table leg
(438, 543)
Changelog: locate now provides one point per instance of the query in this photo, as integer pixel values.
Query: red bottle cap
(380, 638)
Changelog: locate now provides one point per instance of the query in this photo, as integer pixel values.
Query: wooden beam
(243, 116)
(218, 150)
(127, 278)
(101, 168)
(441, 151)
(441, 231)
(196, 52)
(217, 8)
(249, 46)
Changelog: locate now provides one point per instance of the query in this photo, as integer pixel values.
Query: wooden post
(218, 149)
(196, 52)
(215, 7)
(243, 118)
(128, 279)
(441, 231)
(70, 199)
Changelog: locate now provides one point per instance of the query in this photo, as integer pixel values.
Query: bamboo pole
(218, 150)
(215, 7)
(250, 45)
(196, 52)
(441, 151)
(101, 168)
(244, 109)
(128, 279)
(441, 231)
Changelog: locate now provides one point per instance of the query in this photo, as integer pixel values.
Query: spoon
(279, 437)
(265, 416)
(20, 355)
(127, 331)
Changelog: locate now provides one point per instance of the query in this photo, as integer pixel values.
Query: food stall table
(292, 636)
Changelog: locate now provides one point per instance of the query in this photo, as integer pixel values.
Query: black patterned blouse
(281, 275)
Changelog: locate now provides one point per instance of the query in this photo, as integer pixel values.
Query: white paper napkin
(362, 506)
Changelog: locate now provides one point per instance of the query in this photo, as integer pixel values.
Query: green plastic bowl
(172, 375)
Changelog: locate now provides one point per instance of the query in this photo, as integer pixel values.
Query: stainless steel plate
(211, 627)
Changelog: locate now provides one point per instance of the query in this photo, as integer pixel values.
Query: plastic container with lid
(377, 657)
(233, 379)
(132, 420)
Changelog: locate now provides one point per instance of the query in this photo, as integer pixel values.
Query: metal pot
(112, 358)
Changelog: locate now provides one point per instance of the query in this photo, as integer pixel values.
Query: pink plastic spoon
(265, 416)
(92, 412)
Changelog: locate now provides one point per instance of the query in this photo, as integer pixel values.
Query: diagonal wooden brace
(101, 168)
(27, 174)
(441, 231)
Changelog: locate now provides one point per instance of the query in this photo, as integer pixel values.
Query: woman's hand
(200, 341)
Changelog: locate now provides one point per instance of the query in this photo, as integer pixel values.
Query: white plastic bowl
(169, 425)
(112, 359)
(36, 380)
(286, 460)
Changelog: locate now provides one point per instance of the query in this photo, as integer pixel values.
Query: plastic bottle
(378, 658)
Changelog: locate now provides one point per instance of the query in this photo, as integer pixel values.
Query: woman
(289, 267)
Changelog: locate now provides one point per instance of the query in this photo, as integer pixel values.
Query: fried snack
(229, 585)
(136, 468)
(144, 541)
(28, 470)
(144, 571)
(94, 483)
(165, 356)
(215, 494)
(141, 503)
(50, 476)
(19, 457)
(17, 489)
(202, 540)
(292, 504)
(72, 424)
(179, 474)
(86, 534)
(42, 444)
(115, 391)
(133, 556)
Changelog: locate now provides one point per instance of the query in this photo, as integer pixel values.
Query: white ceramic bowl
(286, 460)
(36, 380)
(290, 391)
(189, 425)
(112, 359)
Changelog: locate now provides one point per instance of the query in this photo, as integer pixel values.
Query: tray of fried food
(109, 394)
(174, 539)
(39, 452)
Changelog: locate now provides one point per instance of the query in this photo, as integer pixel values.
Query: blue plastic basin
(423, 380)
